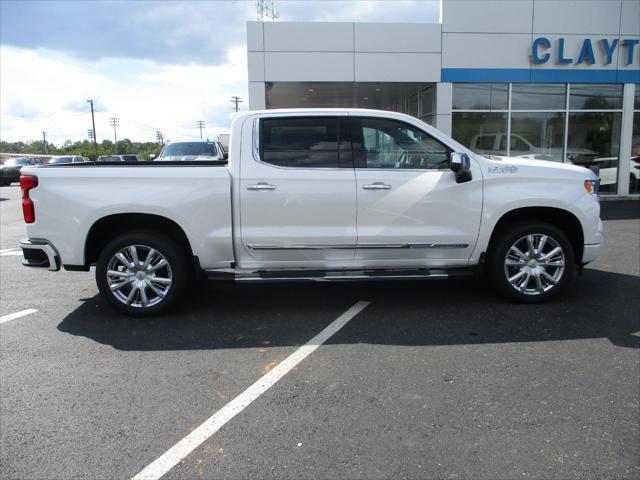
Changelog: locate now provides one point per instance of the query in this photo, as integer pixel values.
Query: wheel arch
(109, 227)
(562, 219)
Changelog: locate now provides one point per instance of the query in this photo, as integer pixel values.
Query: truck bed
(71, 198)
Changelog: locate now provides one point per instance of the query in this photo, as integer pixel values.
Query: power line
(154, 128)
(236, 100)
(200, 125)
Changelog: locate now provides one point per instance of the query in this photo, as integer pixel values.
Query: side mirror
(225, 156)
(152, 156)
(461, 165)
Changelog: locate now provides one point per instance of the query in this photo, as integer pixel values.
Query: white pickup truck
(319, 195)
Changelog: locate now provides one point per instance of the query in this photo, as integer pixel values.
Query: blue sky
(157, 65)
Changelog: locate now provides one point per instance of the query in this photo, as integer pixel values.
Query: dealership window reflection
(482, 132)
(536, 117)
(594, 142)
(538, 136)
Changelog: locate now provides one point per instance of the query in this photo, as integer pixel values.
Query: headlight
(592, 186)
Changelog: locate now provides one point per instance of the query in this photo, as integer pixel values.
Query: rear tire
(531, 263)
(142, 273)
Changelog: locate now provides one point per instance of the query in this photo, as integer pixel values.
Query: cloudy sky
(157, 65)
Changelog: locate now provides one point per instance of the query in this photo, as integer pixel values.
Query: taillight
(27, 182)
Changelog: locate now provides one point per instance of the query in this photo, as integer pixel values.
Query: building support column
(257, 96)
(626, 138)
(443, 99)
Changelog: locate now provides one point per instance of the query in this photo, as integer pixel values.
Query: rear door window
(305, 142)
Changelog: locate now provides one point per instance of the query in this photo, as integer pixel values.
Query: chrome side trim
(255, 246)
(361, 246)
(411, 245)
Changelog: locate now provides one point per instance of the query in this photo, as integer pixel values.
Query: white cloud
(166, 97)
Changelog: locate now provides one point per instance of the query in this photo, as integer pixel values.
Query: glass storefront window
(634, 171)
(480, 96)
(427, 119)
(537, 135)
(412, 105)
(426, 101)
(525, 96)
(482, 132)
(594, 142)
(595, 97)
(637, 101)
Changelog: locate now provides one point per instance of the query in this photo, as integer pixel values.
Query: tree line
(83, 148)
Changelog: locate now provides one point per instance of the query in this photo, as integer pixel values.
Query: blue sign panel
(594, 52)
(542, 51)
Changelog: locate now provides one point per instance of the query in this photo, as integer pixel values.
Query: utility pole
(236, 100)
(90, 134)
(114, 122)
(93, 122)
(44, 142)
(159, 137)
(200, 125)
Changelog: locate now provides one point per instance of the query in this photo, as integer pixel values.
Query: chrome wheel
(139, 276)
(534, 264)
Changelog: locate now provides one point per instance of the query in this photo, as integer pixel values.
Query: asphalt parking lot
(430, 380)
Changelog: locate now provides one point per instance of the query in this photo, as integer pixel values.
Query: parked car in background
(192, 150)
(607, 169)
(66, 159)
(131, 158)
(120, 158)
(10, 170)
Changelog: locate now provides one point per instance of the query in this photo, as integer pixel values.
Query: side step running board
(340, 275)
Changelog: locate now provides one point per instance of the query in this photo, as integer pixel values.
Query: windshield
(109, 158)
(130, 158)
(12, 162)
(61, 160)
(196, 149)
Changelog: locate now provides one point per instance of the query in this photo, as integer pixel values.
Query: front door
(297, 194)
(411, 212)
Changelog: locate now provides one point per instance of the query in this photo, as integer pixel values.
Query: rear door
(411, 211)
(298, 193)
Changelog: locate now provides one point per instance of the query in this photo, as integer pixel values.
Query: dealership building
(558, 78)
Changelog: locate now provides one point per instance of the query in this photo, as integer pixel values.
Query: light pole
(114, 122)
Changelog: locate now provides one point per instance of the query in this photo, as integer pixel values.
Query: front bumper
(39, 253)
(590, 253)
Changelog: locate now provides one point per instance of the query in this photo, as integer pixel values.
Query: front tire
(531, 263)
(142, 273)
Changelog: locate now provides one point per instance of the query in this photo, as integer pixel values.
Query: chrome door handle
(376, 186)
(261, 186)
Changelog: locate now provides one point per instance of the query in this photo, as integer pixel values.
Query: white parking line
(188, 444)
(13, 316)
(11, 252)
